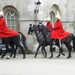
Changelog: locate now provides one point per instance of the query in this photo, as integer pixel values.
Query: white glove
(52, 26)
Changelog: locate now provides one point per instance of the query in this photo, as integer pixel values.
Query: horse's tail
(23, 38)
(73, 41)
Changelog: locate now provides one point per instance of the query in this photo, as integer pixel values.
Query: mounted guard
(11, 37)
(5, 32)
(58, 31)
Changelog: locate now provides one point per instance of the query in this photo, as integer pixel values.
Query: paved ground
(38, 66)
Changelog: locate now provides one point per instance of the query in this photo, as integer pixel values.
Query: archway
(11, 14)
(53, 12)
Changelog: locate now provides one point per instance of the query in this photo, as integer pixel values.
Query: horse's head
(31, 29)
(40, 27)
(36, 29)
(43, 28)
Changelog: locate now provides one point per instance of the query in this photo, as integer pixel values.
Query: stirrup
(54, 42)
(60, 43)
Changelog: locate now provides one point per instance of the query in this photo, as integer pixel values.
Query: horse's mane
(45, 28)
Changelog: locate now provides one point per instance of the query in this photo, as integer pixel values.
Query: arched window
(52, 17)
(12, 20)
(53, 12)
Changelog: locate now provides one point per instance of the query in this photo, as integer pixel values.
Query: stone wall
(27, 16)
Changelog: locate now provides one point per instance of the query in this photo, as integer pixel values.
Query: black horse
(66, 41)
(14, 43)
(40, 39)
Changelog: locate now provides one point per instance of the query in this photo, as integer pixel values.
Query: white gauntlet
(52, 26)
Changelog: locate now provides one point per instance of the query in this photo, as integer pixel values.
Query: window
(52, 17)
(53, 12)
(12, 20)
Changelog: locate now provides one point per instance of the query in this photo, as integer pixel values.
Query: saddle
(54, 40)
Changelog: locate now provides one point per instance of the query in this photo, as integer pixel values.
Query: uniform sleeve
(1, 21)
(49, 26)
(57, 25)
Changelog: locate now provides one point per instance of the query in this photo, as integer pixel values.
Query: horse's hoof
(45, 56)
(57, 57)
(8, 57)
(14, 57)
(24, 57)
(50, 57)
(63, 54)
(2, 57)
(34, 56)
(68, 57)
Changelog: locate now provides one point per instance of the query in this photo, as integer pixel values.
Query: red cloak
(49, 25)
(58, 31)
(5, 32)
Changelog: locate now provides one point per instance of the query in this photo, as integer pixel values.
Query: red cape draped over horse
(5, 32)
(58, 31)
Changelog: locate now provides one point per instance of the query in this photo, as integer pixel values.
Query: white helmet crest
(58, 15)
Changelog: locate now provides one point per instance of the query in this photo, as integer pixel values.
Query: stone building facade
(20, 13)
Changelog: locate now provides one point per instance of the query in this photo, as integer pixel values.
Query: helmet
(48, 19)
(58, 15)
(1, 13)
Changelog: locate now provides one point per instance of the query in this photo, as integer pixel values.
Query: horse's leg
(5, 52)
(37, 51)
(60, 51)
(60, 48)
(69, 47)
(16, 41)
(44, 51)
(14, 53)
(51, 51)
(22, 50)
(40, 44)
(69, 54)
(24, 41)
(15, 49)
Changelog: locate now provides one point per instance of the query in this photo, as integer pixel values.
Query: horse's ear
(30, 25)
(40, 24)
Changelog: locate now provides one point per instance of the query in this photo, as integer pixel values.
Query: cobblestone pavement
(38, 66)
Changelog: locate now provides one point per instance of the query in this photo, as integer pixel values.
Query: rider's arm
(57, 25)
